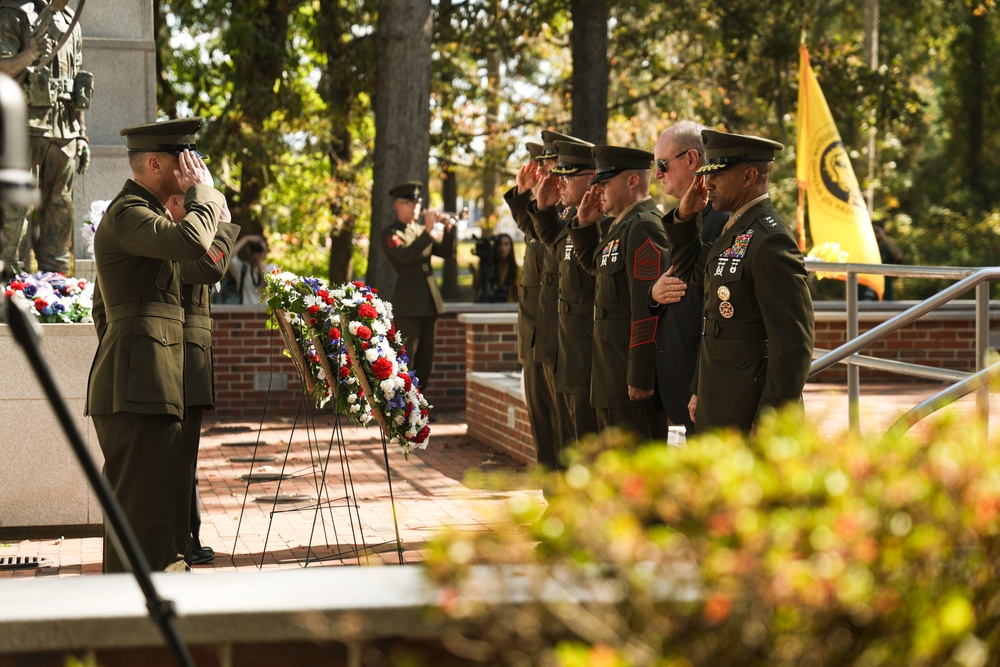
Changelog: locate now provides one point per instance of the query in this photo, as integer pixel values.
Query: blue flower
(30, 291)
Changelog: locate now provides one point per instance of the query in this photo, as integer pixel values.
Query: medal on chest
(568, 252)
(610, 252)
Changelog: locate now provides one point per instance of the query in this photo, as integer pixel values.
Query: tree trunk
(402, 116)
(589, 41)
(490, 157)
(871, 58)
(976, 94)
(335, 88)
(449, 197)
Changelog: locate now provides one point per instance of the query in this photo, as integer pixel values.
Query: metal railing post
(982, 349)
(853, 371)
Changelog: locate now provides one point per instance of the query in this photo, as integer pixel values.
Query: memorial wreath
(347, 349)
(52, 297)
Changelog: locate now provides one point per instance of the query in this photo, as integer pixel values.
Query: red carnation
(358, 283)
(40, 304)
(374, 290)
(8, 292)
(392, 331)
(322, 294)
(364, 332)
(423, 413)
(369, 297)
(382, 368)
(367, 310)
(335, 334)
(312, 321)
(344, 372)
(365, 345)
(409, 409)
(424, 432)
(313, 309)
(405, 377)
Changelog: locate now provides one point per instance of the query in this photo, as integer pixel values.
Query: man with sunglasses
(566, 184)
(679, 154)
(135, 392)
(416, 299)
(626, 261)
(757, 327)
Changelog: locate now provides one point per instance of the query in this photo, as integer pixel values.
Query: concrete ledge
(337, 603)
(507, 383)
(488, 318)
(880, 311)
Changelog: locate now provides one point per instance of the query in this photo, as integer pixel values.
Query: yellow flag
(838, 217)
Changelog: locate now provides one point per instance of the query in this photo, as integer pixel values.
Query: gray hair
(686, 134)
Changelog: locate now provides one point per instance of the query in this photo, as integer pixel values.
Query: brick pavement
(435, 488)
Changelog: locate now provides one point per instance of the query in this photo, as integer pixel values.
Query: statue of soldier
(36, 50)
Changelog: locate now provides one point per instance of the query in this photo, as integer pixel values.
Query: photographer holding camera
(497, 277)
(244, 283)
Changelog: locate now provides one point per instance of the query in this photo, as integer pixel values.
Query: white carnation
(371, 354)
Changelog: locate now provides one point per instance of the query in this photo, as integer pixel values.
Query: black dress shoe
(201, 555)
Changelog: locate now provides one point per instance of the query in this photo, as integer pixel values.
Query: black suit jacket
(678, 335)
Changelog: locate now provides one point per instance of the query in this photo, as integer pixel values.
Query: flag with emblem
(838, 216)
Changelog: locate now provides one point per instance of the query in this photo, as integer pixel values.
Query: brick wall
(483, 338)
(943, 339)
(501, 418)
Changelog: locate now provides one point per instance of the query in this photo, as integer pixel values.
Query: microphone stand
(26, 333)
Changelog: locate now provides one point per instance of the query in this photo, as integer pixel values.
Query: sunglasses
(663, 165)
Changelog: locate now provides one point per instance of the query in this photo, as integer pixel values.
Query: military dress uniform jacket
(576, 300)
(546, 349)
(139, 364)
(626, 262)
(199, 383)
(757, 332)
(678, 336)
(531, 272)
(409, 248)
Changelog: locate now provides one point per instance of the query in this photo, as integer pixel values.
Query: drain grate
(283, 498)
(251, 459)
(244, 443)
(263, 477)
(23, 562)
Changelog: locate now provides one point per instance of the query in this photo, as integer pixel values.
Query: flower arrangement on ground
(52, 297)
(351, 352)
(90, 222)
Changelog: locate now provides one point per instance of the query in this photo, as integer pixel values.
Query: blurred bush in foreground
(804, 550)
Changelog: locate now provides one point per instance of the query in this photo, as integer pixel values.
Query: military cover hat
(573, 158)
(549, 139)
(612, 160)
(408, 190)
(169, 136)
(724, 149)
(534, 149)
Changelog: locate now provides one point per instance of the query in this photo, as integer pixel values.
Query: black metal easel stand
(162, 611)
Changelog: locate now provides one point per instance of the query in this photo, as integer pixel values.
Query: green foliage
(804, 550)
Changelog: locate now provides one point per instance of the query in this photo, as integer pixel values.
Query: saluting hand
(192, 172)
(694, 200)
(668, 289)
(591, 208)
(527, 177)
(547, 194)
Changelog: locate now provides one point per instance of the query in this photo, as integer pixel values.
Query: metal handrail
(968, 279)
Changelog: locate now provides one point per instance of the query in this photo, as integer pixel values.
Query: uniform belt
(198, 322)
(602, 313)
(529, 292)
(549, 278)
(567, 308)
(746, 330)
(152, 309)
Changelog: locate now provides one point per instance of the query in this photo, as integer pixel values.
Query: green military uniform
(199, 385)
(757, 333)
(626, 261)
(539, 395)
(416, 299)
(575, 290)
(135, 393)
(56, 96)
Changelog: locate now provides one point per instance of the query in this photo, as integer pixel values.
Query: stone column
(119, 48)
